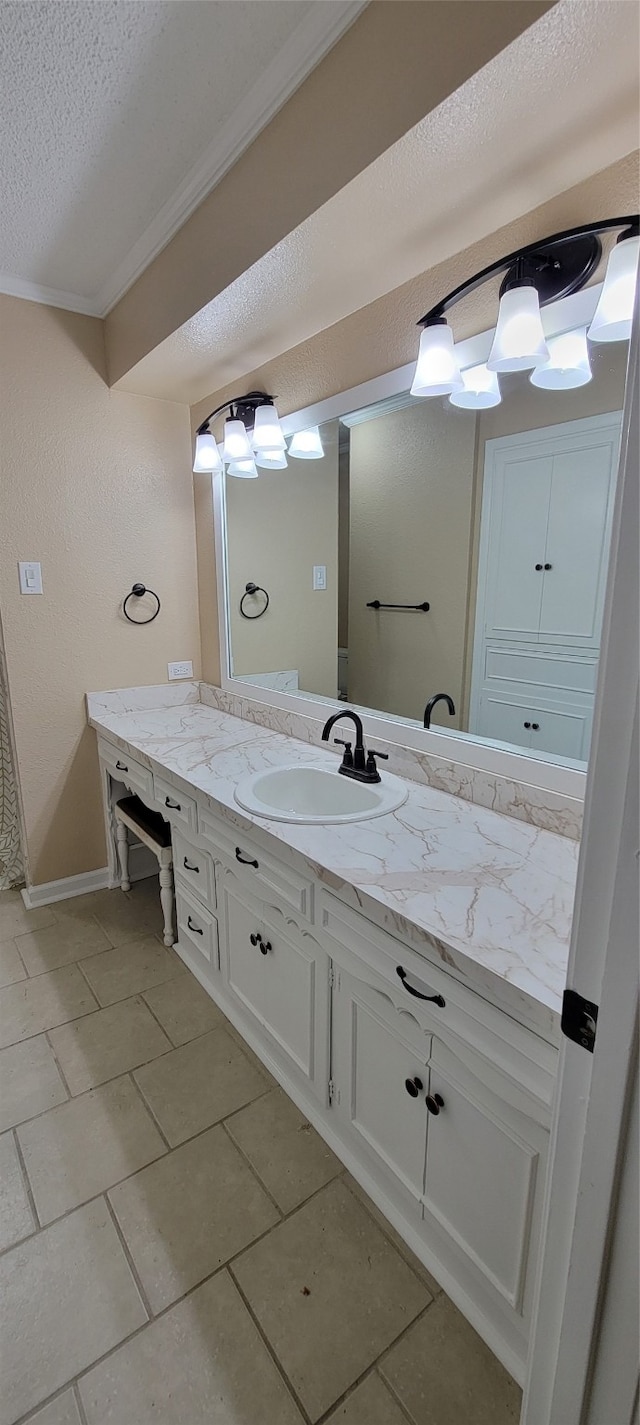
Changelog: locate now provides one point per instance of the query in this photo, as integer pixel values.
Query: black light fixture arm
(543, 259)
(239, 406)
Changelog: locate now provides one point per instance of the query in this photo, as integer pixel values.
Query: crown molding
(49, 296)
(326, 22)
(312, 39)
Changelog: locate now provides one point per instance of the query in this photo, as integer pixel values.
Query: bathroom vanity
(401, 977)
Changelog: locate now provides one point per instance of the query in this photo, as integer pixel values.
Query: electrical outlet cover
(180, 670)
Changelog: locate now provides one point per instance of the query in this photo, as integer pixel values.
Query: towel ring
(136, 592)
(253, 589)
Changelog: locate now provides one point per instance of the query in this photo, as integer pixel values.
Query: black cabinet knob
(548, 566)
(536, 726)
(413, 1087)
(527, 725)
(538, 567)
(434, 1103)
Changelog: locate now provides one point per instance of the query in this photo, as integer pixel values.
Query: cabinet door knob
(434, 1103)
(527, 725)
(536, 726)
(413, 1087)
(548, 566)
(538, 567)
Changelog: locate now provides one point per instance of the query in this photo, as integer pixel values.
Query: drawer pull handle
(434, 1103)
(413, 1087)
(244, 860)
(174, 806)
(265, 945)
(193, 927)
(189, 867)
(435, 999)
(122, 767)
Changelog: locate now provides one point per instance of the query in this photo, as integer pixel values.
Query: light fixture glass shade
(519, 341)
(437, 370)
(237, 445)
(614, 312)
(206, 455)
(480, 391)
(306, 444)
(568, 363)
(267, 433)
(244, 469)
(271, 459)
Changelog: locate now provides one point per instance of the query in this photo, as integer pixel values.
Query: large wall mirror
(437, 550)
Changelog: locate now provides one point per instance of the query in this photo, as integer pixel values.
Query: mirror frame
(465, 750)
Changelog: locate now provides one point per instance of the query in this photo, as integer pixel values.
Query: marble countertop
(489, 896)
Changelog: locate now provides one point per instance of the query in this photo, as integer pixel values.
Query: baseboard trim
(140, 866)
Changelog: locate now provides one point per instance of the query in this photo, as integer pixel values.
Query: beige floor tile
(61, 944)
(107, 1043)
(131, 968)
(184, 1009)
(398, 1242)
(330, 1293)
(87, 1145)
(66, 1296)
(443, 1373)
(34, 1005)
(370, 1404)
(203, 1363)
(61, 1411)
(121, 917)
(29, 1081)
(15, 919)
(198, 1084)
(288, 1155)
(16, 1217)
(11, 966)
(185, 1215)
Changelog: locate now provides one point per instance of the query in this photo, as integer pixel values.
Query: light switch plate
(180, 670)
(319, 576)
(30, 576)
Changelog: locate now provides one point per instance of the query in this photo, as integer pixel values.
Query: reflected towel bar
(422, 608)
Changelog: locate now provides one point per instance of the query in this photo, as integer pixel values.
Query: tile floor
(177, 1245)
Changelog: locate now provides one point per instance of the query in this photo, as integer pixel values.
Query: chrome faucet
(359, 764)
(438, 698)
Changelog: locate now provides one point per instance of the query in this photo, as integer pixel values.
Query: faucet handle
(347, 760)
(371, 767)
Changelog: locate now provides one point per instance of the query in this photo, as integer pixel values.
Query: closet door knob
(538, 567)
(413, 1087)
(536, 726)
(527, 725)
(548, 566)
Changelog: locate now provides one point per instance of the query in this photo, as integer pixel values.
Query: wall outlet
(180, 670)
(319, 576)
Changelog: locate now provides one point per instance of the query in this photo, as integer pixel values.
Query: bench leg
(123, 855)
(166, 900)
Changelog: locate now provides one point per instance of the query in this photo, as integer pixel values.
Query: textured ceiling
(559, 104)
(107, 105)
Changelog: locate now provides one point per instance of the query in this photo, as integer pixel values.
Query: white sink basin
(317, 795)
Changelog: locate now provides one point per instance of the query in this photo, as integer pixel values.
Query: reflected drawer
(179, 808)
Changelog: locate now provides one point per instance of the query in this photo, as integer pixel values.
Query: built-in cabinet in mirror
(439, 550)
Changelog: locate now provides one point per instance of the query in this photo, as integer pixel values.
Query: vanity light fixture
(306, 444)
(267, 432)
(206, 455)
(245, 469)
(271, 459)
(568, 365)
(535, 275)
(237, 445)
(252, 425)
(480, 390)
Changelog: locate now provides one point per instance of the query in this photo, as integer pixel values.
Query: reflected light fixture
(244, 469)
(568, 365)
(614, 313)
(480, 389)
(252, 425)
(306, 444)
(206, 454)
(535, 275)
(271, 459)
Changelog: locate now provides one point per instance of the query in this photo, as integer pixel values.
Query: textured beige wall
(279, 527)
(411, 483)
(97, 486)
(395, 65)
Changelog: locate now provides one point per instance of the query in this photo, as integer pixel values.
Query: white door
(578, 534)
(515, 513)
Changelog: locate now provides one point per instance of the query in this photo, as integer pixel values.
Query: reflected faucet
(438, 698)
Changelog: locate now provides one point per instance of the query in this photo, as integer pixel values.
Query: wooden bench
(150, 827)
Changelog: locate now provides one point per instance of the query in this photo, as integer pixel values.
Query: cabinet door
(515, 515)
(577, 544)
(563, 730)
(484, 1171)
(280, 976)
(380, 1077)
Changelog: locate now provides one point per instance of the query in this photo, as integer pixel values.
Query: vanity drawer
(194, 868)
(197, 928)
(179, 808)
(471, 1023)
(124, 768)
(255, 868)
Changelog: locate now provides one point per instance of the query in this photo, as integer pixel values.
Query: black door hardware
(265, 945)
(189, 867)
(527, 725)
(420, 608)
(196, 928)
(174, 806)
(579, 1019)
(413, 1087)
(536, 726)
(538, 567)
(121, 767)
(548, 566)
(245, 860)
(434, 999)
(434, 1103)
